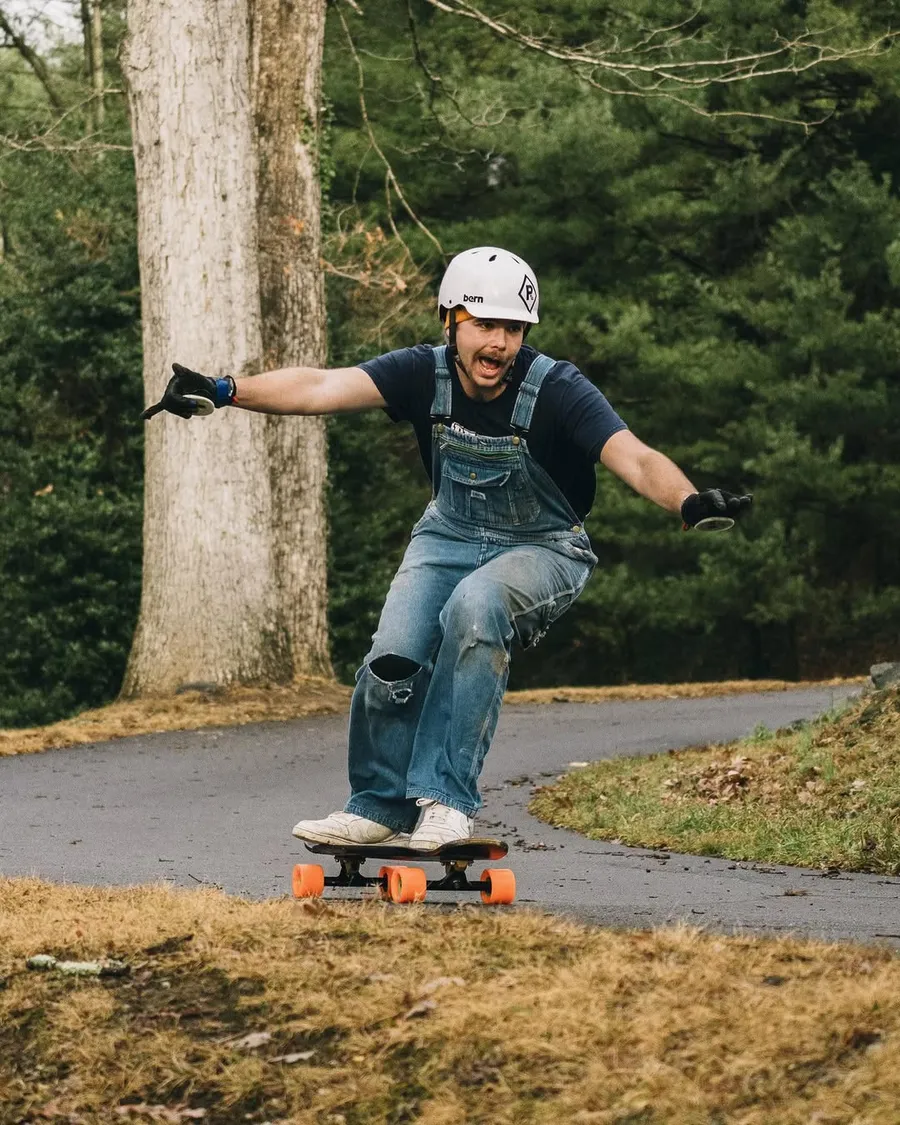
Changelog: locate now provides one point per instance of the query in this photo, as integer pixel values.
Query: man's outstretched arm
(648, 471)
(659, 479)
(309, 390)
(291, 390)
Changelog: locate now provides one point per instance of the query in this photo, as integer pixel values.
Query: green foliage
(70, 569)
(731, 283)
(70, 443)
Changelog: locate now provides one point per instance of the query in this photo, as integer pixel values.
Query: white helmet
(490, 282)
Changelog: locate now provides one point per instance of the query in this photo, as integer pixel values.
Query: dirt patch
(368, 1014)
(193, 710)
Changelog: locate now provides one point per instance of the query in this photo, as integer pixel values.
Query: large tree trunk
(225, 597)
(287, 90)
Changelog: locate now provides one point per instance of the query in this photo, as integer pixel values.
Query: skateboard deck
(472, 849)
(399, 882)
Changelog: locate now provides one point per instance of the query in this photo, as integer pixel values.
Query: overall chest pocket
(490, 495)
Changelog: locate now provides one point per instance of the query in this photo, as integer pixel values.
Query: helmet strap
(452, 349)
(451, 335)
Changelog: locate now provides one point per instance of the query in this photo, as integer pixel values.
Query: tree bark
(288, 38)
(98, 77)
(221, 586)
(92, 31)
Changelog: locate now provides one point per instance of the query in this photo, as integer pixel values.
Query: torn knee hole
(393, 667)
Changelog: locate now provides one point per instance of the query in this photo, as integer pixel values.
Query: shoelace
(440, 815)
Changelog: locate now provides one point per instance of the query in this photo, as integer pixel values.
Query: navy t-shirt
(572, 420)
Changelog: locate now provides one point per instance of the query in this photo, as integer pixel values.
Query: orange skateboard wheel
(384, 887)
(407, 884)
(501, 886)
(308, 880)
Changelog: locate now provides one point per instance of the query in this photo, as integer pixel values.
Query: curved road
(216, 807)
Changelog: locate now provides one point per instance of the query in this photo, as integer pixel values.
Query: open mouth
(487, 366)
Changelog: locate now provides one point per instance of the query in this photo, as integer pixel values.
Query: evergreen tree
(70, 440)
(730, 284)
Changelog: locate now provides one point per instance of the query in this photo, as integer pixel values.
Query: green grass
(824, 795)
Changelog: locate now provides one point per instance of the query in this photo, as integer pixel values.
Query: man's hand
(715, 503)
(184, 387)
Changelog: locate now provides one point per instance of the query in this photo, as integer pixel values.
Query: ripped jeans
(428, 696)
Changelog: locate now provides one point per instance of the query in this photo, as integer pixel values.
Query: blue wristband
(225, 391)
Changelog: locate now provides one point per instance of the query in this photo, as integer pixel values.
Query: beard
(498, 374)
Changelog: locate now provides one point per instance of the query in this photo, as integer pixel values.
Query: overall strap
(528, 392)
(442, 405)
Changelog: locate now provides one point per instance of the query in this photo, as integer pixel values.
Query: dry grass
(824, 795)
(236, 706)
(190, 710)
(636, 692)
(413, 1014)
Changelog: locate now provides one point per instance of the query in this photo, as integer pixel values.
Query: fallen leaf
(297, 1056)
(250, 1042)
(168, 1114)
(422, 1009)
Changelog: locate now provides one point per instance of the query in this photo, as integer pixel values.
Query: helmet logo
(474, 300)
(528, 293)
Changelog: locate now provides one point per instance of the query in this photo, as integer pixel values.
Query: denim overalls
(498, 555)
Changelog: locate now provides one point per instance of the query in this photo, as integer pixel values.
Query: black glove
(714, 502)
(220, 392)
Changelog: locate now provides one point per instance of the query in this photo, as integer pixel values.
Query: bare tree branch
(436, 82)
(650, 67)
(43, 144)
(712, 114)
(391, 181)
(32, 58)
(47, 142)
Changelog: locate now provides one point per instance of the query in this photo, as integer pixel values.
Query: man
(510, 439)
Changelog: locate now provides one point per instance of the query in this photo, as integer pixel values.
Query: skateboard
(398, 882)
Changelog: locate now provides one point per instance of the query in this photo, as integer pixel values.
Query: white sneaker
(344, 828)
(438, 825)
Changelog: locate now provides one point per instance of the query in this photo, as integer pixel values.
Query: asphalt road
(216, 807)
